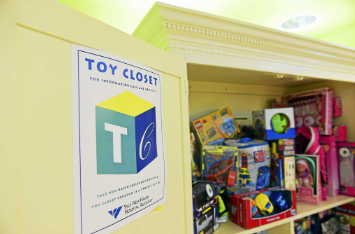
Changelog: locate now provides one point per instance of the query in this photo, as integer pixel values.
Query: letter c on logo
(146, 144)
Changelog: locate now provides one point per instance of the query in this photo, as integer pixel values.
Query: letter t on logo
(117, 131)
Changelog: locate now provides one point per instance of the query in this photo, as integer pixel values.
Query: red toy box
(243, 208)
(346, 216)
(313, 108)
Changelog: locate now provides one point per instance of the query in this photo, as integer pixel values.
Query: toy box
(283, 147)
(220, 164)
(261, 207)
(253, 164)
(303, 225)
(313, 108)
(276, 173)
(207, 222)
(216, 127)
(346, 151)
(328, 144)
(203, 196)
(271, 124)
(289, 173)
(282, 152)
(336, 107)
(346, 217)
(309, 188)
(340, 133)
(317, 220)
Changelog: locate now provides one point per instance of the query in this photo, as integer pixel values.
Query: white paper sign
(118, 141)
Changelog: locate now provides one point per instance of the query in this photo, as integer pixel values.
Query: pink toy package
(346, 168)
(313, 108)
(340, 133)
(329, 146)
(336, 107)
(309, 189)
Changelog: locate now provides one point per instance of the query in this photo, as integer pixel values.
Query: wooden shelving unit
(303, 210)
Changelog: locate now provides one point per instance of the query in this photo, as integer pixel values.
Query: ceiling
(125, 15)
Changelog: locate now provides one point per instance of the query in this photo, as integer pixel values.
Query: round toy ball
(280, 123)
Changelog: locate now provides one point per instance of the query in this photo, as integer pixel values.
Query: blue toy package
(253, 164)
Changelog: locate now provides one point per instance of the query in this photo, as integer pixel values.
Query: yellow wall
(8, 125)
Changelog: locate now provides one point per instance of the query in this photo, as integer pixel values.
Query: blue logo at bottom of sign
(115, 212)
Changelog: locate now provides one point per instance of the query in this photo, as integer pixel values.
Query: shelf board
(303, 210)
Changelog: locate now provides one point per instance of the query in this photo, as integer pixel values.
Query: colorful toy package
(253, 164)
(346, 168)
(346, 217)
(196, 175)
(203, 196)
(215, 127)
(282, 152)
(271, 124)
(309, 188)
(328, 144)
(207, 222)
(313, 108)
(261, 207)
(289, 173)
(220, 164)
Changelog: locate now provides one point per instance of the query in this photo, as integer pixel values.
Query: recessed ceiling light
(299, 22)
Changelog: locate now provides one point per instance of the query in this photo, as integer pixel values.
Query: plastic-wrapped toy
(308, 143)
(244, 175)
(304, 175)
(279, 202)
(263, 178)
(263, 203)
(346, 167)
(253, 154)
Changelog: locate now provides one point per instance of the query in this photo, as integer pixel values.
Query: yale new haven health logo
(125, 134)
(115, 212)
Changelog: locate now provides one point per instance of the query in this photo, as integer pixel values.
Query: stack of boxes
(277, 126)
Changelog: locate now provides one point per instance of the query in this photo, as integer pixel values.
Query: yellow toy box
(215, 127)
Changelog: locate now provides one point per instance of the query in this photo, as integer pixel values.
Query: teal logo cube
(125, 134)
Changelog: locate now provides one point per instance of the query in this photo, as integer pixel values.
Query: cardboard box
(346, 152)
(340, 133)
(289, 170)
(242, 209)
(328, 144)
(313, 108)
(203, 196)
(346, 217)
(282, 152)
(215, 127)
(272, 124)
(207, 222)
(308, 171)
(253, 164)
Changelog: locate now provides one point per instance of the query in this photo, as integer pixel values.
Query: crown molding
(169, 27)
